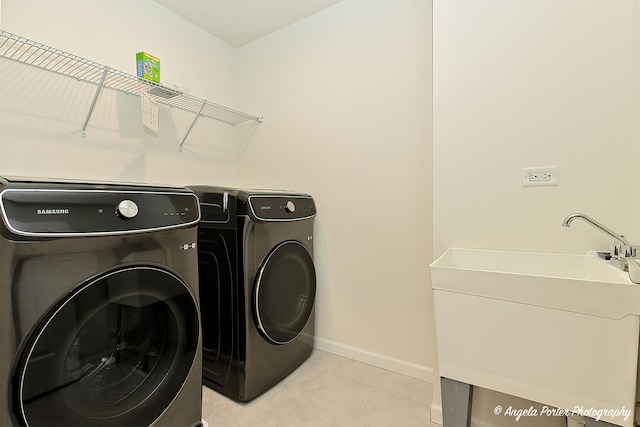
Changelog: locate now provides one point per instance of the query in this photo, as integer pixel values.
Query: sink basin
(582, 283)
(558, 329)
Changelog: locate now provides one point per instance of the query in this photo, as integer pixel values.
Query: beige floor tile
(324, 360)
(307, 414)
(213, 421)
(388, 409)
(328, 390)
(301, 381)
(213, 401)
(266, 410)
(342, 397)
(400, 385)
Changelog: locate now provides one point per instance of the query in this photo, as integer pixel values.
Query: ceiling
(238, 22)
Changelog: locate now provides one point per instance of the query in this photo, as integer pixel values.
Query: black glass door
(285, 291)
(115, 352)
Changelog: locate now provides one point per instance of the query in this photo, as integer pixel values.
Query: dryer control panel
(75, 212)
(282, 208)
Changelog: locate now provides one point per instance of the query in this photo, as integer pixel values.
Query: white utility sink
(557, 329)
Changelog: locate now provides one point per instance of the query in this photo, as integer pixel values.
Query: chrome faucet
(623, 254)
(623, 244)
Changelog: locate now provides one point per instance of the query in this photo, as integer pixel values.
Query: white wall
(42, 115)
(346, 95)
(635, 154)
(533, 83)
(112, 32)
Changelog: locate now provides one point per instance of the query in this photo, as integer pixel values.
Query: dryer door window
(285, 291)
(115, 352)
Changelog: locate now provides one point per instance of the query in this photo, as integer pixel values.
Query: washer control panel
(56, 212)
(282, 208)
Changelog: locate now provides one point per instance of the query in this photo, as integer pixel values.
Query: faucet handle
(619, 250)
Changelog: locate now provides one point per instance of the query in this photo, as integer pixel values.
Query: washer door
(285, 291)
(115, 352)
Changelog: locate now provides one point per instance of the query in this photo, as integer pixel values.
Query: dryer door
(114, 352)
(284, 293)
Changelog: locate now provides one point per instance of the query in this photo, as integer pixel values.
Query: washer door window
(285, 291)
(115, 352)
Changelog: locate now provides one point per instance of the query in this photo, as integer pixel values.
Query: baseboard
(477, 422)
(393, 364)
(436, 414)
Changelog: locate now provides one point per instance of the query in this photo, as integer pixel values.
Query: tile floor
(328, 390)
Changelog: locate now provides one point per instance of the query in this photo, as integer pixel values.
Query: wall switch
(540, 176)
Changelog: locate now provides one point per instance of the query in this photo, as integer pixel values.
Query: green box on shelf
(148, 67)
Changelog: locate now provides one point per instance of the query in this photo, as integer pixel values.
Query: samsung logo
(52, 211)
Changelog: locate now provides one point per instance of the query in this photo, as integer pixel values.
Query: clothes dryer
(99, 318)
(257, 287)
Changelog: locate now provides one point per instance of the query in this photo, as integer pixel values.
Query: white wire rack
(36, 54)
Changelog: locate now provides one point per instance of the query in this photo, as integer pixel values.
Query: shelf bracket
(93, 103)
(195, 119)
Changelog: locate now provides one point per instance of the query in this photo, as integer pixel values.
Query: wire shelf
(36, 54)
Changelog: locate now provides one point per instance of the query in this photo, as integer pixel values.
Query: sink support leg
(590, 422)
(456, 403)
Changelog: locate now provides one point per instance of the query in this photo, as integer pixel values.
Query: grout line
(287, 415)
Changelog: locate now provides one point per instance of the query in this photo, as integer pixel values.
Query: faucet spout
(623, 255)
(567, 223)
(631, 266)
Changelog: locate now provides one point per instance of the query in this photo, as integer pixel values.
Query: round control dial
(127, 209)
(290, 207)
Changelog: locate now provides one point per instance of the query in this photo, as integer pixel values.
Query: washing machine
(99, 317)
(257, 287)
